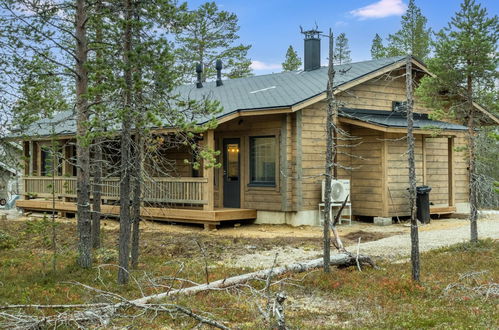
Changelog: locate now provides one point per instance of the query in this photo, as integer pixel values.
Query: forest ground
(449, 295)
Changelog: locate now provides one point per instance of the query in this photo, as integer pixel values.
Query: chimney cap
(312, 33)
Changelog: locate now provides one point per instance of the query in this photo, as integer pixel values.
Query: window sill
(261, 185)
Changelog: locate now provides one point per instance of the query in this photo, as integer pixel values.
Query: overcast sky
(270, 26)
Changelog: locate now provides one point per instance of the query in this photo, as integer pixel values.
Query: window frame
(252, 183)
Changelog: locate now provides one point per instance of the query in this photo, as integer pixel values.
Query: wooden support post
(209, 226)
(423, 150)
(450, 155)
(284, 161)
(31, 158)
(298, 166)
(209, 173)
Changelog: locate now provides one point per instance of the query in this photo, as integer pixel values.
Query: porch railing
(175, 190)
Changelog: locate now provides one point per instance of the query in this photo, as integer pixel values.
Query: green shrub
(6, 241)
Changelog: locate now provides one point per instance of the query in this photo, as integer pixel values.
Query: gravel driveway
(390, 247)
(400, 245)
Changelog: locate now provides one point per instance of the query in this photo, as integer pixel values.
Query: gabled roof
(283, 89)
(264, 92)
(286, 91)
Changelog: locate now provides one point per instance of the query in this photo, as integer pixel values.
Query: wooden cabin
(271, 135)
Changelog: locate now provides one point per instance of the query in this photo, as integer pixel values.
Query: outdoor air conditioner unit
(340, 189)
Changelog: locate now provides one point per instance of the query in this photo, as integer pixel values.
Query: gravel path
(400, 245)
(391, 247)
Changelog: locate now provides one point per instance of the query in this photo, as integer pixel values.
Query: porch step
(154, 213)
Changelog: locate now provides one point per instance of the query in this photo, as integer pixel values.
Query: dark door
(232, 173)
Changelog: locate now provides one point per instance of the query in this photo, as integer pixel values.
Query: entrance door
(232, 173)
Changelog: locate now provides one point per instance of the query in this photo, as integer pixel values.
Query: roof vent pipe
(312, 49)
(199, 71)
(219, 67)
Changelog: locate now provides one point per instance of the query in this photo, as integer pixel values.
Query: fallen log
(344, 259)
(103, 312)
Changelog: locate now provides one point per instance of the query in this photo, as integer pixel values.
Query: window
(399, 106)
(262, 161)
(48, 162)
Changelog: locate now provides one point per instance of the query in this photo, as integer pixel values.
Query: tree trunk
(97, 195)
(471, 163)
(412, 170)
(137, 181)
(124, 238)
(82, 148)
(331, 107)
(97, 168)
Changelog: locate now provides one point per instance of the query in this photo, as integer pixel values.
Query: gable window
(262, 161)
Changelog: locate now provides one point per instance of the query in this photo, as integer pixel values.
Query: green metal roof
(276, 90)
(397, 119)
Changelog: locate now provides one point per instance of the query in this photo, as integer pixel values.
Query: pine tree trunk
(97, 168)
(97, 195)
(331, 107)
(412, 171)
(82, 149)
(124, 238)
(137, 189)
(472, 162)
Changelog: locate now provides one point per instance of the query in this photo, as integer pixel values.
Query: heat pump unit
(340, 189)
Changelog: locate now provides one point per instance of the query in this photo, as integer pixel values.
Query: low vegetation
(458, 289)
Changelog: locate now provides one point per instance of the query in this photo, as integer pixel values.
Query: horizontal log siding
(313, 154)
(367, 173)
(460, 170)
(378, 94)
(398, 172)
(437, 167)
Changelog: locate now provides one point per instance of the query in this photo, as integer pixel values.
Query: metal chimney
(199, 71)
(312, 49)
(219, 67)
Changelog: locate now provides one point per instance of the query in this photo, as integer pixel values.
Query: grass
(345, 298)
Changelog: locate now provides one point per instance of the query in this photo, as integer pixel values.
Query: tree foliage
(210, 35)
(292, 61)
(465, 68)
(413, 38)
(377, 48)
(341, 50)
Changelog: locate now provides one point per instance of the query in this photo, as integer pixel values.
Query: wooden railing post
(209, 173)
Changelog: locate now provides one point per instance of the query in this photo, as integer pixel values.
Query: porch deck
(208, 218)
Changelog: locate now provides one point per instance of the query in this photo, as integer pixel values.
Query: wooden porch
(200, 216)
(179, 199)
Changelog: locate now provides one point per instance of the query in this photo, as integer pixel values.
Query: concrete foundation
(380, 221)
(463, 208)
(295, 219)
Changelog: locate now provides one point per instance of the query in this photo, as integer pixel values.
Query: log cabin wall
(368, 172)
(261, 198)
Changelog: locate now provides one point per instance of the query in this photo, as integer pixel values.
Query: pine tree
(413, 38)
(210, 36)
(377, 48)
(292, 61)
(342, 51)
(463, 67)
